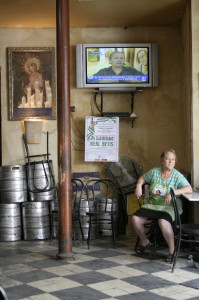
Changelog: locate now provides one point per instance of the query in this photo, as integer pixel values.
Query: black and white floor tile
(29, 270)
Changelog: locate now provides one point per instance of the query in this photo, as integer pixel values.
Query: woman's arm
(184, 190)
(138, 190)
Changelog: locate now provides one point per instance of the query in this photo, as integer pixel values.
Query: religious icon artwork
(31, 81)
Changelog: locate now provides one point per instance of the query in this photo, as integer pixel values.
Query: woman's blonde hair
(166, 151)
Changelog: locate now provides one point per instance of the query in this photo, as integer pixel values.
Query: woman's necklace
(165, 176)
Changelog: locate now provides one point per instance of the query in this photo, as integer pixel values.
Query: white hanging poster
(101, 139)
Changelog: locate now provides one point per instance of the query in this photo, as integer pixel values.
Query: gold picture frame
(31, 83)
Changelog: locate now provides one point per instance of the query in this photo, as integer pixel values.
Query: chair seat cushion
(100, 214)
(190, 228)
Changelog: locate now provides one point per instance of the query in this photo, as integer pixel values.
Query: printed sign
(101, 139)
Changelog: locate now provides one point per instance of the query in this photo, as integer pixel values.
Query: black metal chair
(3, 295)
(101, 210)
(78, 188)
(187, 233)
(36, 187)
(152, 228)
(153, 232)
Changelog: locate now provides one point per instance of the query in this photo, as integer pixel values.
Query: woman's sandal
(142, 249)
(169, 258)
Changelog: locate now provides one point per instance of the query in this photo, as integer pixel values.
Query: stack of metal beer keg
(41, 193)
(13, 191)
(26, 194)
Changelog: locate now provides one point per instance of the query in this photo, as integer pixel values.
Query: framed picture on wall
(31, 83)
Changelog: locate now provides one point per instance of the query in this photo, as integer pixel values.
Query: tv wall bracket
(131, 115)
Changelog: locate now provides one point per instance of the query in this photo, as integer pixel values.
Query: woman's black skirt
(153, 214)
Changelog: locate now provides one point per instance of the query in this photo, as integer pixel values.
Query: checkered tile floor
(30, 270)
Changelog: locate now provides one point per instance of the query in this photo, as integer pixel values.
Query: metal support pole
(102, 104)
(132, 102)
(64, 130)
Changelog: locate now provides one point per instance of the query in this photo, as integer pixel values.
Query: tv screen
(116, 65)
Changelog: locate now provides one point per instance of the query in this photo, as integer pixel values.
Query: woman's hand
(167, 199)
(138, 190)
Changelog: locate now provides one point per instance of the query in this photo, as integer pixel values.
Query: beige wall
(195, 98)
(160, 111)
(186, 84)
(13, 148)
(195, 90)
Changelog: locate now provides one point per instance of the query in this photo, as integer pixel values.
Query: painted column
(64, 130)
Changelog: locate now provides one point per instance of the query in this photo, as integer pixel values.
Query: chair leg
(113, 231)
(89, 232)
(155, 238)
(74, 233)
(175, 255)
(80, 225)
(51, 225)
(137, 243)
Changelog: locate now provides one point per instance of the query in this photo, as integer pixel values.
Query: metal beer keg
(10, 222)
(13, 184)
(36, 220)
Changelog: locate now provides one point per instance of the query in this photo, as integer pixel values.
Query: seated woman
(158, 205)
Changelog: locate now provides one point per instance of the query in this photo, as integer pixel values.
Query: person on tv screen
(117, 60)
(142, 60)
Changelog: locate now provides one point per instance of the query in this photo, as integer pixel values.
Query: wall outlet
(72, 108)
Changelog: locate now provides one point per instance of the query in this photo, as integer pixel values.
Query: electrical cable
(80, 150)
(92, 105)
(47, 132)
(81, 143)
(81, 135)
(96, 104)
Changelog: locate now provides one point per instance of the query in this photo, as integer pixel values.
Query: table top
(192, 197)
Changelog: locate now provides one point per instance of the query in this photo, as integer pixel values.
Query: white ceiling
(92, 13)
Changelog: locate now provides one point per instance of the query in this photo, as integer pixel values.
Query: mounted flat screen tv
(116, 66)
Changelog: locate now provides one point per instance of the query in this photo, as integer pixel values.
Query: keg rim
(38, 162)
(19, 167)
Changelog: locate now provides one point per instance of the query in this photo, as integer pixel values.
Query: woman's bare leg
(168, 234)
(138, 225)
